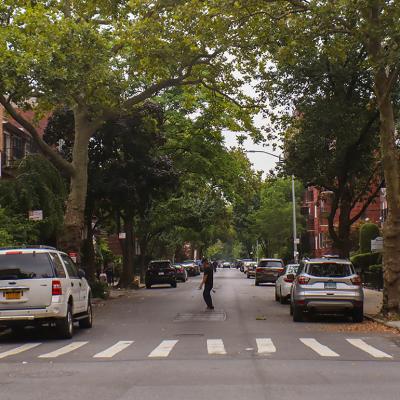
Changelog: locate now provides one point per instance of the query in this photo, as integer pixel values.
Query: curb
(390, 324)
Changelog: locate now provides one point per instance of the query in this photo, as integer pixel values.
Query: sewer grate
(213, 316)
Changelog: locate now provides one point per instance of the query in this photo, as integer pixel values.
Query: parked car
(283, 284)
(327, 285)
(191, 268)
(181, 273)
(160, 272)
(226, 264)
(41, 285)
(268, 270)
(243, 262)
(251, 270)
(247, 264)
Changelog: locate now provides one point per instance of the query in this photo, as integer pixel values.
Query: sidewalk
(372, 306)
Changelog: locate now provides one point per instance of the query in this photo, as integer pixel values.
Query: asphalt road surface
(162, 344)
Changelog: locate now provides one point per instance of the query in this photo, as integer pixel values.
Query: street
(162, 344)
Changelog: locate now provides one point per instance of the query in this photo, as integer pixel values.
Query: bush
(100, 290)
(376, 268)
(368, 232)
(363, 261)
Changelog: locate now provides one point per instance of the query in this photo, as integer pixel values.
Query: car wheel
(87, 322)
(276, 296)
(291, 309)
(173, 284)
(257, 283)
(148, 285)
(282, 300)
(65, 326)
(297, 314)
(248, 276)
(358, 314)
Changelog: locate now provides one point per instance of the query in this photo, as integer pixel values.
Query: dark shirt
(210, 277)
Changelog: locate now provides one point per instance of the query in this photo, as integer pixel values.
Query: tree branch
(56, 158)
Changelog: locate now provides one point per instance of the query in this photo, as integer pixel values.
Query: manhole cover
(216, 315)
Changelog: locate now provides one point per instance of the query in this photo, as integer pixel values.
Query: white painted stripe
(319, 348)
(163, 349)
(360, 344)
(63, 350)
(18, 350)
(265, 346)
(215, 346)
(113, 350)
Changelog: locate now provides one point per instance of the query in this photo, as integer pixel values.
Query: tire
(248, 276)
(276, 296)
(257, 283)
(65, 326)
(297, 314)
(282, 299)
(173, 284)
(148, 285)
(358, 315)
(291, 309)
(87, 323)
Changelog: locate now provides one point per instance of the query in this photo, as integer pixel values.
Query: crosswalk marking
(163, 349)
(265, 346)
(319, 348)
(215, 346)
(360, 344)
(63, 350)
(18, 350)
(113, 350)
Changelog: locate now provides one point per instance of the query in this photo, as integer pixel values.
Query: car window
(70, 266)
(270, 263)
(60, 271)
(25, 266)
(330, 270)
(159, 265)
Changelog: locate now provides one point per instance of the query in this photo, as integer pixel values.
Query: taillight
(303, 280)
(281, 270)
(286, 279)
(356, 281)
(259, 270)
(56, 288)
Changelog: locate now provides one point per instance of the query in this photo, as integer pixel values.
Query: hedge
(362, 262)
(368, 232)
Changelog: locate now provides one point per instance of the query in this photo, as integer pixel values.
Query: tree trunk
(71, 237)
(127, 253)
(391, 229)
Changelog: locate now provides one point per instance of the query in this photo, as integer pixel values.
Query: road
(162, 344)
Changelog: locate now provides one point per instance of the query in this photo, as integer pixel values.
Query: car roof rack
(31, 246)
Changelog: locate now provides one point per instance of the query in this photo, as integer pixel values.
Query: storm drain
(213, 316)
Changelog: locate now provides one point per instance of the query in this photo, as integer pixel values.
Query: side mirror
(290, 278)
(81, 273)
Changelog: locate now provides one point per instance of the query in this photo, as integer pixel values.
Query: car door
(75, 282)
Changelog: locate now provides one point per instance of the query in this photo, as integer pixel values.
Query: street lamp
(295, 240)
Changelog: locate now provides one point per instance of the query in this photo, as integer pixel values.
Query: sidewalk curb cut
(380, 321)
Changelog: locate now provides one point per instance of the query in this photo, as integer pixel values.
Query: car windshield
(331, 270)
(270, 263)
(158, 265)
(25, 266)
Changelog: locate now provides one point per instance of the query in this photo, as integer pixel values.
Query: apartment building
(316, 208)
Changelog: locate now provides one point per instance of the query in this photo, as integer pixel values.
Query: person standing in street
(207, 282)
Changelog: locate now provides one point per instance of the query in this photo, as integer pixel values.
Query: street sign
(36, 215)
(73, 256)
(297, 241)
(377, 244)
(122, 235)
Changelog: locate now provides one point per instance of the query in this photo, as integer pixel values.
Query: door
(75, 282)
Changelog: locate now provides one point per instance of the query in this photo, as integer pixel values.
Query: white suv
(42, 285)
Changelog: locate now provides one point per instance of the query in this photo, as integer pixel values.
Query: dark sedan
(160, 272)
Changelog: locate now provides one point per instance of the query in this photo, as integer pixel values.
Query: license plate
(161, 273)
(330, 285)
(12, 295)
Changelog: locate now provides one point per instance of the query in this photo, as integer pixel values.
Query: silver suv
(327, 285)
(42, 285)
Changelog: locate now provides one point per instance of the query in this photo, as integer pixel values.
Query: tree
(282, 29)
(102, 59)
(272, 222)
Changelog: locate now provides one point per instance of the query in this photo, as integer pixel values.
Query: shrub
(363, 261)
(100, 290)
(368, 232)
(376, 268)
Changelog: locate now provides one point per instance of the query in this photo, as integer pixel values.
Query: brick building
(316, 207)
